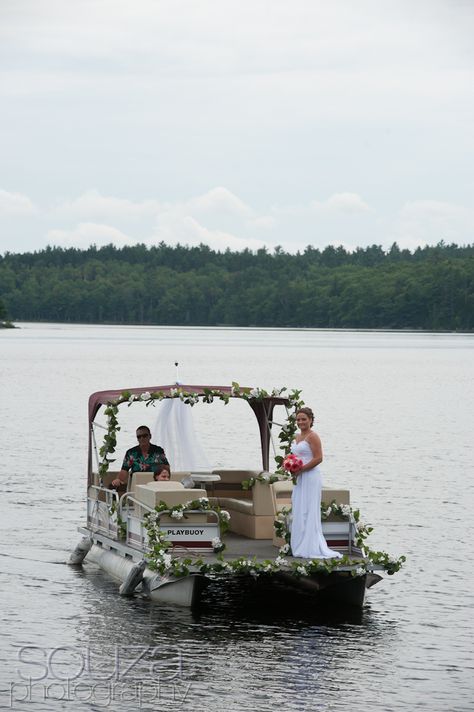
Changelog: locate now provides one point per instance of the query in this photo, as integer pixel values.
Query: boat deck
(238, 546)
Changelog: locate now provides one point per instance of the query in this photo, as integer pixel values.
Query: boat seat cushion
(106, 479)
(230, 484)
(138, 478)
(178, 476)
(238, 505)
(252, 517)
(342, 496)
(281, 494)
(172, 493)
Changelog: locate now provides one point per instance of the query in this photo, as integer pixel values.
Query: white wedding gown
(307, 538)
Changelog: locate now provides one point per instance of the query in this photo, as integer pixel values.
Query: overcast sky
(236, 124)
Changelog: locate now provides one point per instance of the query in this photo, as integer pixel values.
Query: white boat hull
(162, 589)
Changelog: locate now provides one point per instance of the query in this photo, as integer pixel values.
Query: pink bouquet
(292, 464)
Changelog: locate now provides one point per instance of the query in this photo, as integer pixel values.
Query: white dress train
(307, 538)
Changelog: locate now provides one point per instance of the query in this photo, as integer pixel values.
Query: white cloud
(92, 205)
(221, 219)
(218, 200)
(86, 234)
(188, 231)
(15, 204)
(265, 222)
(422, 222)
(342, 203)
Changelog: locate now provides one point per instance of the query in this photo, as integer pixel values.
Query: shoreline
(230, 327)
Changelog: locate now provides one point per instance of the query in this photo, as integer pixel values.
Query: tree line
(430, 288)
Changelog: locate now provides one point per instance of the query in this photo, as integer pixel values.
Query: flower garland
(160, 559)
(208, 395)
(345, 512)
(264, 477)
(340, 511)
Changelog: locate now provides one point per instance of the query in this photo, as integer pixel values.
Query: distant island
(430, 288)
(4, 322)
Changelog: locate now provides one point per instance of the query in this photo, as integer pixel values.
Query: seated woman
(162, 475)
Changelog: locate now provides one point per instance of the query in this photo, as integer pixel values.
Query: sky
(236, 124)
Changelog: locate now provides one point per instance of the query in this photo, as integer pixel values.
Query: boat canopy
(262, 407)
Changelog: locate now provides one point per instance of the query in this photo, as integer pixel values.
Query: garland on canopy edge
(208, 395)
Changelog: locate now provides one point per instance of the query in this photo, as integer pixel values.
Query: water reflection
(237, 642)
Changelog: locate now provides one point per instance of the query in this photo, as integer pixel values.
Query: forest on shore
(430, 288)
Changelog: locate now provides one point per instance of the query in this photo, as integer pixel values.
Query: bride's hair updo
(308, 412)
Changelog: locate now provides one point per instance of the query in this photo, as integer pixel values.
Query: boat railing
(197, 534)
(102, 510)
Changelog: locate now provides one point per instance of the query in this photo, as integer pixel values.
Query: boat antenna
(177, 378)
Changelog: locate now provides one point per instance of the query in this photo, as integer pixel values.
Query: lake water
(395, 414)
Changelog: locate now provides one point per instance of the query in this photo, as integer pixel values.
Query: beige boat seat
(137, 479)
(106, 483)
(107, 478)
(251, 511)
(172, 493)
(178, 476)
(341, 496)
(230, 484)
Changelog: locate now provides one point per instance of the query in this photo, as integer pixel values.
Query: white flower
(328, 511)
(301, 570)
(265, 477)
(359, 571)
(276, 392)
(346, 510)
(167, 560)
(203, 501)
(216, 543)
(145, 396)
(177, 514)
(225, 515)
(280, 561)
(255, 392)
(173, 392)
(284, 549)
(360, 526)
(132, 398)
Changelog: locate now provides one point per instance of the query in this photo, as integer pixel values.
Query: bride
(307, 538)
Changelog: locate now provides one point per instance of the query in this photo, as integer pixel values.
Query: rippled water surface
(396, 419)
